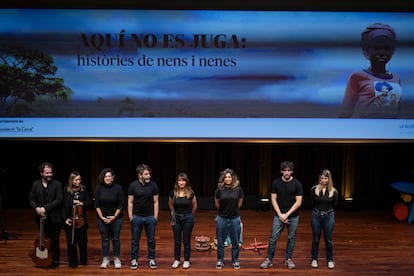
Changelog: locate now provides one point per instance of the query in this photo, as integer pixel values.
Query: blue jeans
(232, 227)
(182, 230)
(277, 229)
(112, 232)
(326, 223)
(137, 224)
(228, 240)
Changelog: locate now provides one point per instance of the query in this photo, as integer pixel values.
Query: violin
(77, 220)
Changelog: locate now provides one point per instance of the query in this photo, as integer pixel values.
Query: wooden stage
(365, 243)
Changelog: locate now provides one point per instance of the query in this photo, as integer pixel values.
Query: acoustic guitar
(42, 255)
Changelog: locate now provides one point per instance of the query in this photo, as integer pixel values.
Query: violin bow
(73, 223)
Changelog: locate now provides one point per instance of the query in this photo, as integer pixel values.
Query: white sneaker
(105, 262)
(236, 265)
(134, 264)
(290, 264)
(266, 264)
(152, 264)
(331, 264)
(219, 265)
(176, 264)
(314, 264)
(186, 264)
(117, 263)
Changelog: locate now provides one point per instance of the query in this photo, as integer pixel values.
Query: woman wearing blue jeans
(109, 205)
(228, 199)
(324, 200)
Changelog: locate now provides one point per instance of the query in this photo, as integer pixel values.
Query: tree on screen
(26, 75)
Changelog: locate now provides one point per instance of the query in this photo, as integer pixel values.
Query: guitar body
(42, 256)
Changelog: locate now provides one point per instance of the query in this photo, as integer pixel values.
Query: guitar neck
(41, 233)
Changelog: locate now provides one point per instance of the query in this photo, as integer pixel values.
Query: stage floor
(365, 243)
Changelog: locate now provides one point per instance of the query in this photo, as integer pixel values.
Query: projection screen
(198, 74)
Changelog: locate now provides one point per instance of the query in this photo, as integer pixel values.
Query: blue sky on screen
(289, 56)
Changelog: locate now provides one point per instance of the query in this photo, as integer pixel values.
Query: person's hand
(41, 211)
(109, 219)
(284, 218)
(106, 220)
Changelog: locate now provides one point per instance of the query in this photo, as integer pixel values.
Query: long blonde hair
(72, 176)
(331, 189)
(235, 179)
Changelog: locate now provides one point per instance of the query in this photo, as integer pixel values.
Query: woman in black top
(183, 204)
(228, 199)
(324, 199)
(109, 205)
(76, 201)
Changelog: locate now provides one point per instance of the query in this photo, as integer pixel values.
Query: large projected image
(206, 74)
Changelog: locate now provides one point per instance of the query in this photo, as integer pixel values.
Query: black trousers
(80, 242)
(52, 231)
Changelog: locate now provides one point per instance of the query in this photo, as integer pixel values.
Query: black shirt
(228, 201)
(323, 202)
(286, 194)
(182, 205)
(143, 197)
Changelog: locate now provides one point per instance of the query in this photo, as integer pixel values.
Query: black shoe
(55, 264)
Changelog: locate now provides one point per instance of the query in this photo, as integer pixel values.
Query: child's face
(381, 49)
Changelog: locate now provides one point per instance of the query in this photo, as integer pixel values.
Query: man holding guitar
(46, 197)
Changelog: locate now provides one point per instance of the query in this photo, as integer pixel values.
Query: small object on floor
(202, 243)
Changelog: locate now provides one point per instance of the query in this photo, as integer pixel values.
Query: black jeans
(80, 241)
(182, 230)
(322, 221)
(52, 231)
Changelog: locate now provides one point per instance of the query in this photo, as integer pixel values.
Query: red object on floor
(400, 211)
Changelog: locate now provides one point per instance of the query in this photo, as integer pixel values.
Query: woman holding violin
(76, 201)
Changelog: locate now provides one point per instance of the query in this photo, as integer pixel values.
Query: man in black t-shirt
(286, 198)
